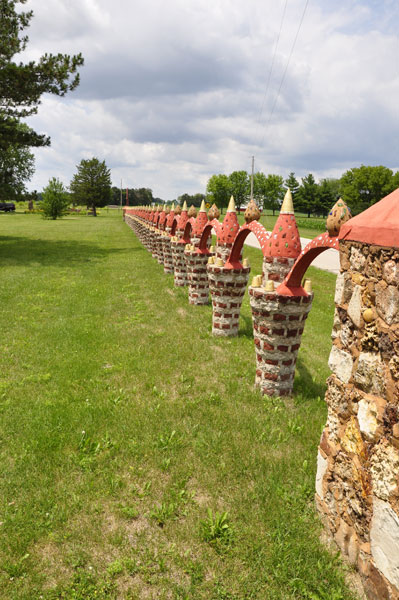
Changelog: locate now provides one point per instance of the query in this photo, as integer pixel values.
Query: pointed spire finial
(202, 207)
(231, 207)
(287, 206)
(184, 207)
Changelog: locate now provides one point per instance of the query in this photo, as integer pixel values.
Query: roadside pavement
(327, 260)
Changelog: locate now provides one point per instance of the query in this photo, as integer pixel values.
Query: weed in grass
(163, 512)
(129, 512)
(115, 568)
(84, 587)
(216, 527)
(15, 569)
(165, 464)
(196, 570)
(167, 441)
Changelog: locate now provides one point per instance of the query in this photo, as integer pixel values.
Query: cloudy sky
(174, 91)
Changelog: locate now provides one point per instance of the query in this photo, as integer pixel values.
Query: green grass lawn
(128, 432)
(308, 228)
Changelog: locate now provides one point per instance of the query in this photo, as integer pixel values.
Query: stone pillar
(152, 246)
(167, 254)
(227, 288)
(179, 262)
(278, 323)
(198, 284)
(276, 268)
(223, 251)
(357, 485)
(158, 246)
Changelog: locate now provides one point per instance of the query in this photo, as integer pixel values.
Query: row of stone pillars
(357, 484)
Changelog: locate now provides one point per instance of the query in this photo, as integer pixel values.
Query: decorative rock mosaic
(357, 483)
(278, 323)
(357, 489)
(179, 262)
(198, 283)
(227, 288)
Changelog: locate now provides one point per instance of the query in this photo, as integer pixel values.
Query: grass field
(137, 459)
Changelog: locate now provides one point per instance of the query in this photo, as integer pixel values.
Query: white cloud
(172, 92)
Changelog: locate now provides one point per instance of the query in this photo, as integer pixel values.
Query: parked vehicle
(7, 206)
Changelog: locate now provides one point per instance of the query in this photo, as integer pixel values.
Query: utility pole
(252, 178)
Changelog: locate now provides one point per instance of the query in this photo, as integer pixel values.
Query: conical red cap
(230, 224)
(183, 217)
(200, 221)
(284, 240)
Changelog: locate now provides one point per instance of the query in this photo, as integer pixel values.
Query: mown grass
(308, 227)
(137, 459)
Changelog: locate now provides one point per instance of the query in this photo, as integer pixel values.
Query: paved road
(327, 260)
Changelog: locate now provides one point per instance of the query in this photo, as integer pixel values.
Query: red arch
(291, 285)
(233, 262)
(214, 224)
(187, 232)
(173, 228)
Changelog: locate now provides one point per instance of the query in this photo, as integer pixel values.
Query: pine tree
(23, 84)
(292, 183)
(91, 185)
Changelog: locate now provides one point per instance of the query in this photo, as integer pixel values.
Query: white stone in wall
(340, 363)
(339, 288)
(370, 374)
(355, 306)
(384, 539)
(387, 303)
(321, 471)
(391, 272)
(357, 259)
(367, 417)
(333, 425)
(384, 468)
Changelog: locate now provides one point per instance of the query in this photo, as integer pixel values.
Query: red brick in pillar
(278, 323)
(357, 482)
(179, 262)
(284, 245)
(158, 246)
(227, 288)
(198, 284)
(167, 248)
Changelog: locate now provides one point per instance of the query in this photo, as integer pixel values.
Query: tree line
(360, 187)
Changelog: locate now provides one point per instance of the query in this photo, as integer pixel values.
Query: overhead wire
(272, 63)
(284, 73)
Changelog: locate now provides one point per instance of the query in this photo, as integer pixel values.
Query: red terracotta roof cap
(284, 240)
(377, 225)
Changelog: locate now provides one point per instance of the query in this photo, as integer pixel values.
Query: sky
(173, 92)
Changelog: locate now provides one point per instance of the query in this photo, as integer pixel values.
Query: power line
(272, 63)
(285, 72)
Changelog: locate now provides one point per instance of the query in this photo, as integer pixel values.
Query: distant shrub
(55, 200)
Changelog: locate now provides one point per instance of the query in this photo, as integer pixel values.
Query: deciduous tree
(239, 184)
(363, 186)
(274, 192)
(55, 199)
(218, 189)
